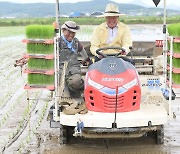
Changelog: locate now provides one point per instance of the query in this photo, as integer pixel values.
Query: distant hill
(48, 9)
(139, 2)
(161, 5)
(26, 10)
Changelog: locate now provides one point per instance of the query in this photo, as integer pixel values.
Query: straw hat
(70, 25)
(111, 10)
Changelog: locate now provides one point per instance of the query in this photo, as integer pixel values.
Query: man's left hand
(124, 52)
(87, 62)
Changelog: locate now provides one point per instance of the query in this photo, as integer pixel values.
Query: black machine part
(121, 51)
(99, 51)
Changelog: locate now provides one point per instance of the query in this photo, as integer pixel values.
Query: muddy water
(13, 38)
(139, 32)
(143, 145)
(142, 32)
(146, 32)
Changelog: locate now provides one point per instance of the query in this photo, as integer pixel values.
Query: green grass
(40, 79)
(40, 64)
(40, 31)
(174, 29)
(40, 48)
(26, 21)
(12, 31)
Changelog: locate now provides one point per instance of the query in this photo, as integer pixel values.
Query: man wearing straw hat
(70, 47)
(111, 33)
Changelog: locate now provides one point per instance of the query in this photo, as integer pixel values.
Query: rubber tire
(63, 135)
(160, 135)
(66, 133)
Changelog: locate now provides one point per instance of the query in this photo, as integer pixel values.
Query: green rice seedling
(174, 30)
(40, 64)
(40, 31)
(176, 62)
(176, 78)
(168, 59)
(176, 47)
(40, 48)
(40, 79)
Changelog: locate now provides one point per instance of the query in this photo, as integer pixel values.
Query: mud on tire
(66, 133)
(160, 135)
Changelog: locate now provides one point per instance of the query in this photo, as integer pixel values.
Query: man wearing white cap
(70, 47)
(111, 33)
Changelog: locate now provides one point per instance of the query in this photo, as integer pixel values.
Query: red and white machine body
(110, 81)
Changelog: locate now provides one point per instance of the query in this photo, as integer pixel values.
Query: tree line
(86, 20)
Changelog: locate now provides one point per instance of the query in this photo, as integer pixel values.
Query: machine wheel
(63, 135)
(66, 132)
(160, 135)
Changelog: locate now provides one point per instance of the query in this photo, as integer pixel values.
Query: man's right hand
(87, 62)
(97, 58)
(123, 53)
(55, 25)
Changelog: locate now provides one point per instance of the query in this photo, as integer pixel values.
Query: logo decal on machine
(152, 84)
(112, 65)
(113, 79)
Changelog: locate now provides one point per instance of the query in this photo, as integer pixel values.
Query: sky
(148, 2)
